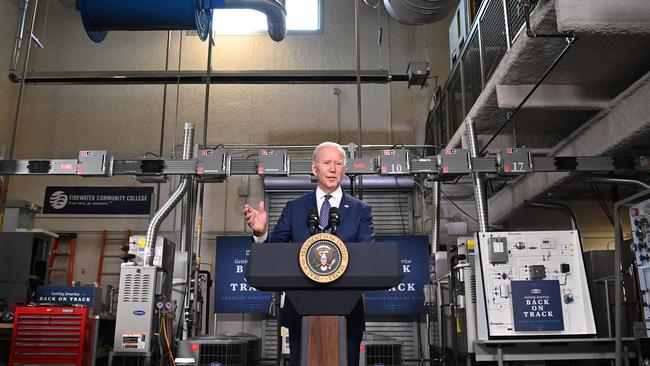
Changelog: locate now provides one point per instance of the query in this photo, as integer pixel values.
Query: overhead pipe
(159, 217)
(557, 206)
(619, 181)
(19, 39)
(101, 16)
(274, 9)
(420, 11)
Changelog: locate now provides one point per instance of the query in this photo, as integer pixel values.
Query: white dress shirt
(335, 201)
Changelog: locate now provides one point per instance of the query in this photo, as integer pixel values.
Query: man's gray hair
(330, 144)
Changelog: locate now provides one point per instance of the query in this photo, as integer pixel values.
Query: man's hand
(257, 220)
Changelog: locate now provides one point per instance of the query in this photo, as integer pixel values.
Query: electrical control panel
(533, 283)
(640, 221)
(394, 162)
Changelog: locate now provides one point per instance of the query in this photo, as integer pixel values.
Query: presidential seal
(323, 258)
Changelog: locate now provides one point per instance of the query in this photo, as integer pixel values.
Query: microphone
(334, 220)
(312, 221)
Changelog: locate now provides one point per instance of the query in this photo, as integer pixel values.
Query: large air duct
(420, 11)
(101, 16)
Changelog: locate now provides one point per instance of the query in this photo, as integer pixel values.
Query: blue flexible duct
(101, 16)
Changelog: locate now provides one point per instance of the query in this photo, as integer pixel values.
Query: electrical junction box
(212, 162)
(94, 162)
(273, 162)
(394, 162)
(454, 162)
(514, 161)
(532, 283)
(361, 166)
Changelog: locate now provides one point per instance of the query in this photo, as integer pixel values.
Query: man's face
(329, 168)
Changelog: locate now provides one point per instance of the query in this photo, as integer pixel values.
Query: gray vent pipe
(274, 10)
(420, 11)
(159, 217)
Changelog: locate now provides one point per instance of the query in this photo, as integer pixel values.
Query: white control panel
(640, 221)
(534, 284)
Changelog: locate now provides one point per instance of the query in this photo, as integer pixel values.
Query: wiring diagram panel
(640, 221)
(534, 284)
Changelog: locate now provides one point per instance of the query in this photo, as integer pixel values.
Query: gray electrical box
(93, 162)
(498, 250)
(514, 161)
(273, 162)
(361, 166)
(394, 162)
(454, 162)
(212, 164)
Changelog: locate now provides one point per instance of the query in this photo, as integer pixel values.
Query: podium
(323, 307)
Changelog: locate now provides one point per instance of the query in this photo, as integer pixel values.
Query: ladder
(71, 238)
(106, 241)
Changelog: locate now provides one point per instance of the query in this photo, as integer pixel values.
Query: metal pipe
(478, 178)
(618, 291)
(159, 217)
(19, 39)
(435, 216)
(4, 188)
(153, 77)
(560, 206)
(620, 181)
(357, 51)
(275, 14)
(164, 114)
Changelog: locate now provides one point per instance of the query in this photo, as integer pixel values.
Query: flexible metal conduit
(419, 11)
(159, 217)
(478, 178)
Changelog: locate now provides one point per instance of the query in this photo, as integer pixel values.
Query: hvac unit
(380, 350)
(253, 347)
(211, 350)
(46, 335)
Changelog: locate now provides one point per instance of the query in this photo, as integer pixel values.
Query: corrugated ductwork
(101, 16)
(420, 11)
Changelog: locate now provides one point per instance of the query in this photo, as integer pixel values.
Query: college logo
(323, 258)
(58, 200)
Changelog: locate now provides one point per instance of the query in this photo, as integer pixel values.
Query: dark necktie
(325, 212)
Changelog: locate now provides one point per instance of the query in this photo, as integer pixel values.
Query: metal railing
(495, 28)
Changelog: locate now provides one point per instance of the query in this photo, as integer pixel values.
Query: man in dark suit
(328, 165)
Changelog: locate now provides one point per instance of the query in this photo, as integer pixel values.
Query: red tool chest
(49, 335)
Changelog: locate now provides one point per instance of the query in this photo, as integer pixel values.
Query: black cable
(509, 115)
(603, 205)
(463, 211)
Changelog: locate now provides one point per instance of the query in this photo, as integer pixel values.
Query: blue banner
(68, 295)
(234, 295)
(98, 200)
(408, 296)
(537, 305)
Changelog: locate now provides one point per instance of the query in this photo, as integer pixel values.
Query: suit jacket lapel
(344, 208)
